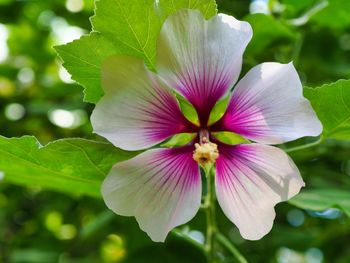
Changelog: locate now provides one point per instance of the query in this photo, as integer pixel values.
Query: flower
(201, 60)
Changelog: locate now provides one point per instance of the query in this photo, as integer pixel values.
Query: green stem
(235, 252)
(302, 20)
(213, 235)
(188, 239)
(210, 216)
(302, 147)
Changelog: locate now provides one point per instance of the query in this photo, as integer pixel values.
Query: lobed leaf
(83, 58)
(75, 166)
(121, 27)
(332, 105)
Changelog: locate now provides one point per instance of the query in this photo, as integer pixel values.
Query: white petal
(201, 59)
(268, 106)
(137, 111)
(251, 179)
(160, 187)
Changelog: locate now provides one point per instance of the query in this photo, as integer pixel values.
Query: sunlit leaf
(132, 26)
(82, 58)
(322, 199)
(207, 7)
(127, 27)
(332, 105)
(75, 166)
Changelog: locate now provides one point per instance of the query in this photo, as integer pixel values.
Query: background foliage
(50, 206)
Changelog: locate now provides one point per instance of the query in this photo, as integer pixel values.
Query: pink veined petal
(160, 187)
(250, 180)
(268, 106)
(201, 59)
(137, 111)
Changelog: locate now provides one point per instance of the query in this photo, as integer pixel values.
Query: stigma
(205, 152)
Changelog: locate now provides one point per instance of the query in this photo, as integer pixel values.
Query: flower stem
(302, 147)
(210, 216)
(213, 235)
(303, 19)
(235, 252)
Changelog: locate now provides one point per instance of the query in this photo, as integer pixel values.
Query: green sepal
(179, 139)
(219, 110)
(230, 137)
(187, 109)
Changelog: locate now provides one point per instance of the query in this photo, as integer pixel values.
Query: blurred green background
(37, 97)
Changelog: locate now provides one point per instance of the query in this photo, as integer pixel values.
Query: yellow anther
(205, 153)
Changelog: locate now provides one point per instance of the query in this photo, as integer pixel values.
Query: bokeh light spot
(26, 75)
(314, 255)
(286, 255)
(2, 175)
(67, 119)
(74, 6)
(7, 88)
(45, 18)
(63, 32)
(14, 111)
(259, 7)
(295, 217)
(53, 221)
(3, 43)
(62, 118)
(64, 75)
(113, 250)
(67, 232)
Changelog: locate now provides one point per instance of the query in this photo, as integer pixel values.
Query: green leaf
(75, 166)
(334, 16)
(321, 199)
(266, 31)
(126, 27)
(82, 58)
(332, 105)
(132, 26)
(207, 7)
